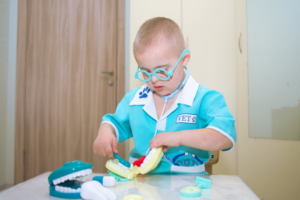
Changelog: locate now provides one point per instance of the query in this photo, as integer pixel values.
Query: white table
(157, 187)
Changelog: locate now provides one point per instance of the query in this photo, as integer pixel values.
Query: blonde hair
(159, 31)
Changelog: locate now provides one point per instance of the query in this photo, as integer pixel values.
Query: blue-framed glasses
(159, 73)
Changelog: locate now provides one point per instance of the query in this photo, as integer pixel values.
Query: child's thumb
(154, 143)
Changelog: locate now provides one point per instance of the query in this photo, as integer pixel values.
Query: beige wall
(269, 166)
(211, 53)
(209, 29)
(140, 11)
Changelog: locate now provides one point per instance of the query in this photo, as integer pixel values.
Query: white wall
(273, 60)
(8, 41)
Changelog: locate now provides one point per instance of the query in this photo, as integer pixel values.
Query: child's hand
(106, 142)
(166, 140)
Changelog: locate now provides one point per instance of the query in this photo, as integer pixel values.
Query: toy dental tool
(93, 190)
(63, 181)
(122, 161)
(107, 181)
(203, 183)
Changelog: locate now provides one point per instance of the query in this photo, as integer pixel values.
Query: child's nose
(154, 78)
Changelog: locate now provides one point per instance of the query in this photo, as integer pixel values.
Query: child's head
(159, 44)
(159, 33)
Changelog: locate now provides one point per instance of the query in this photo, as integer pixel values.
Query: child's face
(162, 58)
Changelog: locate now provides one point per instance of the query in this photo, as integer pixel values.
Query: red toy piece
(139, 161)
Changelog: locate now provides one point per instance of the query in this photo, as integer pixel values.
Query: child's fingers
(102, 152)
(105, 146)
(109, 153)
(165, 148)
(154, 143)
(96, 148)
(151, 145)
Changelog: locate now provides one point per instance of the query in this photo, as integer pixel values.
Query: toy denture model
(145, 164)
(64, 181)
(64, 184)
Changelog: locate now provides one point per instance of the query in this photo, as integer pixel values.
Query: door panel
(63, 46)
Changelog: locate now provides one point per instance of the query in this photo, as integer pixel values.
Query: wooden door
(62, 94)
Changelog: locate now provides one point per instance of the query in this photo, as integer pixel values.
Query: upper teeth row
(148, 157)
(120, 166)
(66, 190)
(72, 176)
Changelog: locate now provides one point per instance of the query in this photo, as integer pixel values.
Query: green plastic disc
(190, 191)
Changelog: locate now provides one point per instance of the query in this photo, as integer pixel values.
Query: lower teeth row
(66, 190)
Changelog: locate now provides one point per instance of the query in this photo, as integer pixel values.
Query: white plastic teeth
(72, 176)
(148, 157)
(119, 166)
(66, 189)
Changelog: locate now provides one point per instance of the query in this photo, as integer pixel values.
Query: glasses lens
(161, 74)
(143, 75)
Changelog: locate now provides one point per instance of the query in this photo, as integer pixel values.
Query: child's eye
(147, 70)
(161, 74)
(164, 68)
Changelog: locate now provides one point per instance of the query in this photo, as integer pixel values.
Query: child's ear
(186, 59)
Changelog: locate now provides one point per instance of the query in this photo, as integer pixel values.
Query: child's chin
(164, 94)
(159, 93)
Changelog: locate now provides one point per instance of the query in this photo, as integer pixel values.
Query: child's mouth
(158, 88)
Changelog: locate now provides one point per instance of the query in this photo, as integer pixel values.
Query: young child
(170, 110)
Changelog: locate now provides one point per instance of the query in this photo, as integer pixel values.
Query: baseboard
(5, 186)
